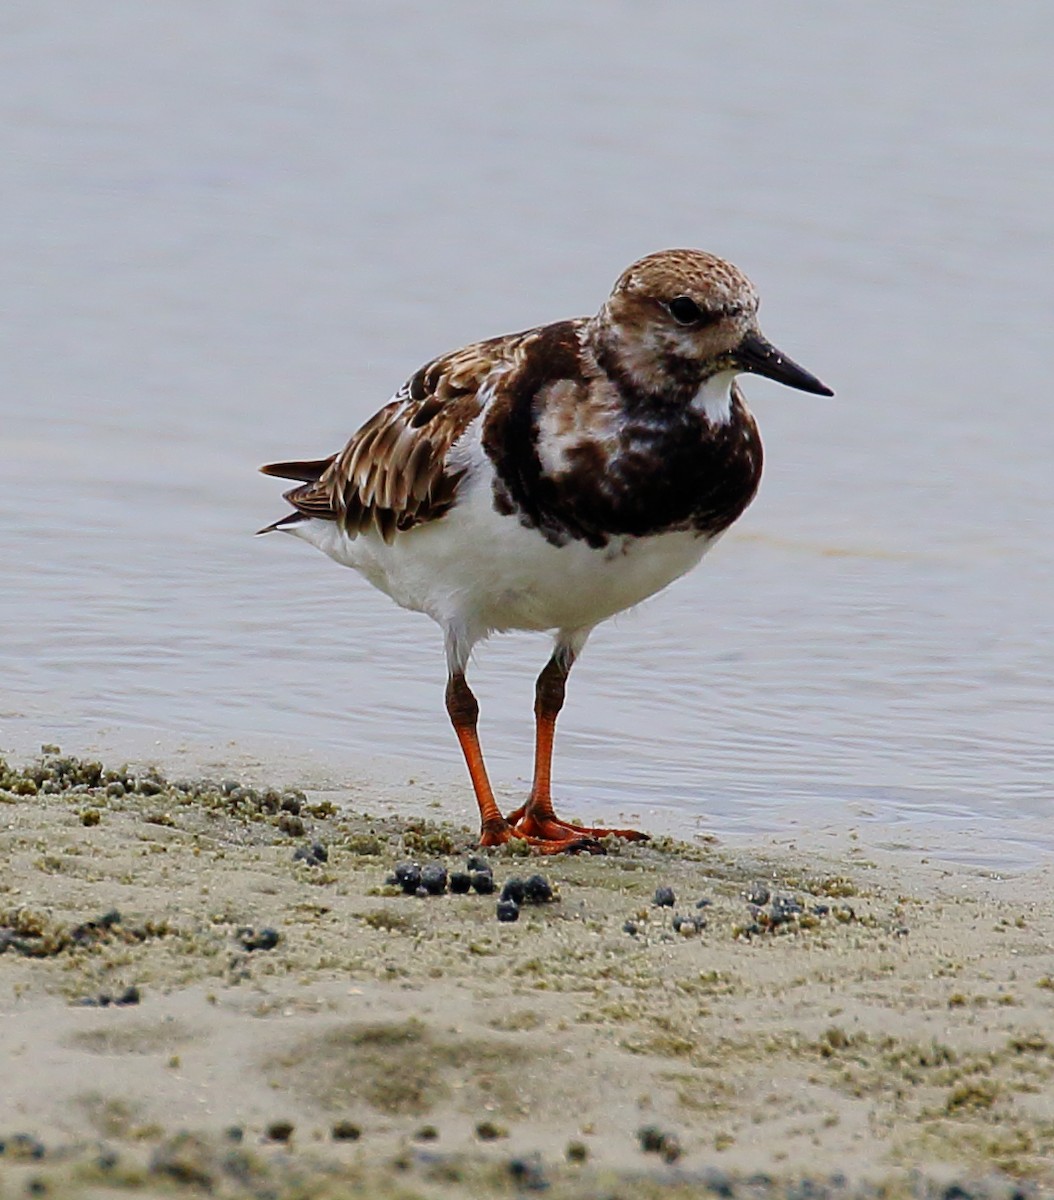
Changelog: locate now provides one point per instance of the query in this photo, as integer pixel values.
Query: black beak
(760, 357)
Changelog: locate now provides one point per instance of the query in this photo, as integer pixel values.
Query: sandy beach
(188, 1005)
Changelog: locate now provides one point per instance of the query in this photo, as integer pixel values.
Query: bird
(548, 479)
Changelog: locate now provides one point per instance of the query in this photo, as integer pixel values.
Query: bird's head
(680, 318)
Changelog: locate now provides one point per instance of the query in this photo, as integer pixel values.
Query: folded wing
(395, 472)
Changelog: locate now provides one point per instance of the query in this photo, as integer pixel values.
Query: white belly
(480, 572)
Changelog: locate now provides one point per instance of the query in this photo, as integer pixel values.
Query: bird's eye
(685, 311)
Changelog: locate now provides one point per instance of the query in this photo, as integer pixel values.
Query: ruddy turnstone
(549, 479)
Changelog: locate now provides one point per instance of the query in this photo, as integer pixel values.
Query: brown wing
(393, 474)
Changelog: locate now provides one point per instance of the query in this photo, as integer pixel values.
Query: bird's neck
(646, 373)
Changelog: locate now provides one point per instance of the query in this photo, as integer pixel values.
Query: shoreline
(872, 1020)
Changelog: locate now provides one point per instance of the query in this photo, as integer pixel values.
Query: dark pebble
(537, 890)
(36, 1187)
(291, 804)
(515, 890)
(408, 876)
(460, 882)
(263, 939)
(102, 1000)
(129, 996)
(314, 855)
(704, 903)
(671, 1149)
(483, 883)
(577, 1152)
(630, 927)
(107, 1159)
(758, 893)
(476, 862)
(720, 1184)
(345, 1131)
(290, 824)
(821, 910)
(234, 1133)
(783, 910)
(651, 1139)
(487, 1131)
(692, 924)
(664, 897)
(508, 910)
(427, 1133)
(280, 1131)
(433, 879)
(22, 1146)
(529, 1173)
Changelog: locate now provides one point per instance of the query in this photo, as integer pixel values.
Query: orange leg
(494, 829)
(536, 818)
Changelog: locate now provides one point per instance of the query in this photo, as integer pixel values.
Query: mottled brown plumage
(549, 479)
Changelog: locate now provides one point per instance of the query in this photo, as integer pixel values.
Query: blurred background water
(228, 230)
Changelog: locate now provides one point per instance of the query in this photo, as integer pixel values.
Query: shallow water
(231, 231)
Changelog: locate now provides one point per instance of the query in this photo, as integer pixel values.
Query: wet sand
(858, 1020)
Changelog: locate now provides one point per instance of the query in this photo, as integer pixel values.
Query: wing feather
(395, 472)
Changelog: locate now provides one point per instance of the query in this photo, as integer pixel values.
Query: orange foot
(552, 828)
(562, 841)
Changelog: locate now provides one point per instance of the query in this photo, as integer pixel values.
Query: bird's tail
(305, 471)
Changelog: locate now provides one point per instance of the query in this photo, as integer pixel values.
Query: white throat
(714, 398)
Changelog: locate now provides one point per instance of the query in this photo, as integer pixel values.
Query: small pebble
(757, 893)
(654, 1141)
(664, 897)
(234, 1133)
(529, 1173)
(290, 824)
(651, 1138)
(280, 1131)
(408, 876)
(314, 855)
(508, 910)
(476, 862)
(487, 1131)
(483, 883)
(514, 890)
(460, 882)
(630, 927)
(688, 925)
(577, 1152)
(704, 903)
(427, 1133)
(433, 879)
(129, 996)
(345, 1131)
(22, 1146)
(537, 890)
(783, 910)
(264, 939)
